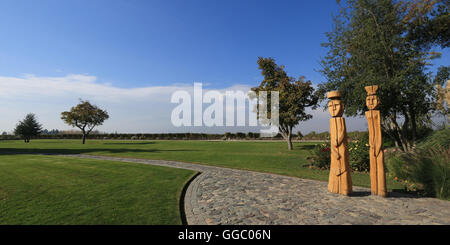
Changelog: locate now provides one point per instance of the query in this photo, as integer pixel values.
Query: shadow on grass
(305, 147)
(130, 143)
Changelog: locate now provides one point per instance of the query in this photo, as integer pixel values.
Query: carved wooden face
(336, 108)
(372, 102)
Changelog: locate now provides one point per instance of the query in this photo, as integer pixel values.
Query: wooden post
(340, 180)
(377, 173)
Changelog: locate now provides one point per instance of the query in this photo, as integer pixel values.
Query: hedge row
(169, 136)
(180, 136)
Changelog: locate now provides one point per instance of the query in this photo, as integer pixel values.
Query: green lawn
(61, 190)
(270, 157)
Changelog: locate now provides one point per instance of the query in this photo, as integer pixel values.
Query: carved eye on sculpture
(336, 108)
(372, 102)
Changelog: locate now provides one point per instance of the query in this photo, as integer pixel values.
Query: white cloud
(76, 85)
(132, 110)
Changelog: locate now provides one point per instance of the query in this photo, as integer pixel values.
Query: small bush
(229, 135)
(320, 156)
(359, 159)
(240, 135)
(299, 135)
(359, 151)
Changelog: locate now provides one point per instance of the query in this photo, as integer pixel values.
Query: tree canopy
(294, 96)
(380, 42)
(28, 127)
(85, 116)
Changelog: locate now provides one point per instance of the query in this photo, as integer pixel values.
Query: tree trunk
(84, 138)
(401, 138)
(289, 141)
(413, 127)
(286, 132)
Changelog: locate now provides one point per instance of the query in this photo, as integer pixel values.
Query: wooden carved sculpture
(340, 180)
(377, 174)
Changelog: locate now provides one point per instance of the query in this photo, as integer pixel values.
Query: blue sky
(141, 44)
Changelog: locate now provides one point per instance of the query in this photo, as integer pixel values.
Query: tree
(294, 96)
(28, 127)
(428, 22)
(299, 135)
(372, 43)
(443, 94)
(443, 101)
(85, 117)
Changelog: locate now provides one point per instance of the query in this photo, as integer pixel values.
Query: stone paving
(229, 196)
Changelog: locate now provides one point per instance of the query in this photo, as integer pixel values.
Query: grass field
(62, 190)
(37, 189)
(270, 157)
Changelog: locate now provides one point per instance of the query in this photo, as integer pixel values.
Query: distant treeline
(184, 136)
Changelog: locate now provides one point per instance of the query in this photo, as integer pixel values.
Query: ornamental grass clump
(425, 171)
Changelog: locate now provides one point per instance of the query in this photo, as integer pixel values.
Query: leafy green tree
(85, 116)
(299, 135)
(443, 93)
(28, 127)
(372, 42)
(428, 22)
(442, 75)
(294, 96)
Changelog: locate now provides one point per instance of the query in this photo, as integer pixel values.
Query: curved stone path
(230, 196)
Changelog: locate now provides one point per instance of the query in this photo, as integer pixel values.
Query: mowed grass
(54, 190)
(272, 157)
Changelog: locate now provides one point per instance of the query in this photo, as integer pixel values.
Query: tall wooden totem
(340, 180)
(377, 173)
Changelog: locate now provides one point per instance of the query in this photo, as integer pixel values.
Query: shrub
(388, 141)
(320, 156)
(359, 151)
(311, 135)
(315, 136)
(228, 135)
(299, 135)
(240, 135)
(354, 135)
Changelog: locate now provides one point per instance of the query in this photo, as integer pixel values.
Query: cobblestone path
(229, 196)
